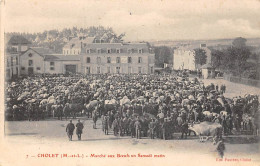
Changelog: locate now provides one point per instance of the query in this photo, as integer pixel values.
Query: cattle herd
(136, 105)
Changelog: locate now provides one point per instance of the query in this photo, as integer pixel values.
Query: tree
(239, 42)
(56, 41)
(163, 54)
(200, 57)
(217, 58)
(234, 58)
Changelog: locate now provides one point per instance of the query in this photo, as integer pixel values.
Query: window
(108, 60)
(151, 70)
(117, 70)
(38, 68)
(129, 59)
(99, 51)
(12, 63)
(52, 68)
(51, 63)
(67, 51)
(22, 68)
(30, 55)
(7, 62)
(118, 51)
(129, 70)
(16, 60)
(30, 62)
(109, 51)
(139, 69)
(130, 51)
(139, 59)
(64, 52)
(74, 52)
(140, 51)
(117, 59)
(88, 51)
(98, 60)
(98, 70)
(88, 70)
(108, 69)
(88, 59)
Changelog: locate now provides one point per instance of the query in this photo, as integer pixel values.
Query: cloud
(225, 28)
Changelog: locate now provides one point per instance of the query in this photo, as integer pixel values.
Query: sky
(140, 19)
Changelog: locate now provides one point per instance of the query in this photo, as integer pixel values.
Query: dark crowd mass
(154, 106)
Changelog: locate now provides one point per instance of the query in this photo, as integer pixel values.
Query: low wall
(244, 81)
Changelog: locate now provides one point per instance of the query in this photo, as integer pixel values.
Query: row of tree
(235, 59)
(55, 39)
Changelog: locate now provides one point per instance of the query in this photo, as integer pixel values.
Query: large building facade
(86, 56)
(99, 58)
(184, 57)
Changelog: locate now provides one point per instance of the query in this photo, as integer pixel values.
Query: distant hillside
(250, 42)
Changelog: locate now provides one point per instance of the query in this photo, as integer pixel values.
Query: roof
(41, 50)
(206, 66)
(15, 40)
(76, 42)
(121, 54)
(192, 47)
(117, 45)
(62, 58)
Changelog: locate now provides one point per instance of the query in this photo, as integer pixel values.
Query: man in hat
(137, 125)
(79, 129)
(66, 110)
(152, 127)
(221, 148)
(70, 129)
(106, 124)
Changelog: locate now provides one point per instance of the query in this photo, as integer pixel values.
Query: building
(37, 60)
(208, 52)
(184, 57)
(117, 58)
(87, 56)
(15, 46)
(207, 71)
(75, 45)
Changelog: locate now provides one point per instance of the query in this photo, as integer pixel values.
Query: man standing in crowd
(137, 125)
(152, 126)
(79, 129)
(106, 124)
(70, 129)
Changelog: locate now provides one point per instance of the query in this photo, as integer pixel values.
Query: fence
(244, 81)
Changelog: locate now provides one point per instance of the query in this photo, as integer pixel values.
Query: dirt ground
(25, 142)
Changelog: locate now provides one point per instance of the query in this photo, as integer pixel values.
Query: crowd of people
(136, 105)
